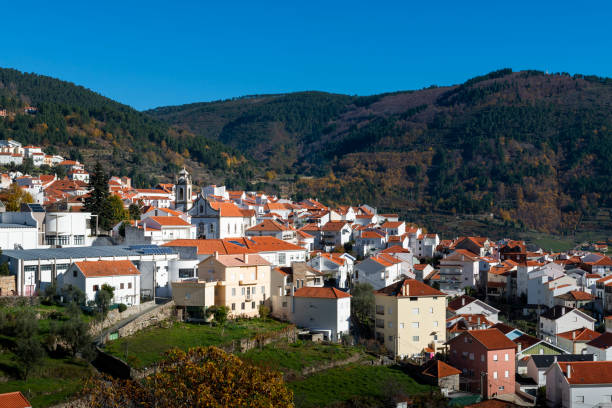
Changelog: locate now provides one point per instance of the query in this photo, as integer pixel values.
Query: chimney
(555, 359)
(246, 258)
(478, 321)
(563, 310)
(216, 254)
(519, 348)
(574, 335)
(462, 301)
(569, 371)
(594, 357)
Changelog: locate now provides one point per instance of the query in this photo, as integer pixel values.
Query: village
(494, 320)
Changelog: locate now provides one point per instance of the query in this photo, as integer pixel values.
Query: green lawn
(294, 357)
(340, 384)
(556, 244)
(148, 346)
(51, 383)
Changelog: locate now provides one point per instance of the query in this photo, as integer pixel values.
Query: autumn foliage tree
(200, 377)
(14, 197)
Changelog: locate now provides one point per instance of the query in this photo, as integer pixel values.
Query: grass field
(148, 346)
(294, 357)
(52, 382)
(343, 383)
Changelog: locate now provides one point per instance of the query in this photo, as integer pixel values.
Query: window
(252, 305)
(212, 228)
(79, 240)
(129, 285)
(435, 337)
(96, 288)
(506, 356)
(380, 310)
(495, 375)
(284, 304)
(253, 289)
(121, 286)
(390, 338)
(281, 258)
(233, 291)
(390, 311)
(415, 338)
(415, 325)
(74, 273)
(506, 373)
(243, 291)
(233, 306)
(390, 325)
(401, 325)
(435, 323)
(494, 357)
(580, 399)
(263, 290)
(185, 273)
(501, 387)
(431, 310)
(415, 310)
(242, 306)
(482, 358)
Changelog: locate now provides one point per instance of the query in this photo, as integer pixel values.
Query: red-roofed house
(458, 270)
(159, 230)
(578, 384)
(381, 270)
(14, 400)
(574, 341)
(337, 266)
(410, 316)
(321, 309)
(273, 228)
(369, 241)
(442, 375)
(487, 361)
(89, 276)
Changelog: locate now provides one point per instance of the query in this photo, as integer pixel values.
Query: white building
(218, 220)
(158, 230)
(89, 276)
(337, 266)
(467, 305)
(579, 384)
(561, 319)
(538, 364)
(322, 310)
(379, 271)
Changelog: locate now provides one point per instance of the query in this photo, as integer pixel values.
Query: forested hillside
(533, 148)
(82, 124)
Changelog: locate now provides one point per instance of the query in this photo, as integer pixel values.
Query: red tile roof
(334, 226)
(411, 288)
(321, 293)
(392, 224)
(603, 342)
(371, 234)
(269, 225)
(93, 269)
(439, 369)
(170, 221)
(14, 400)
(459, 302)
(583, 334)
(588, 372)
(242, 260)
(395, 249)
(491, 339)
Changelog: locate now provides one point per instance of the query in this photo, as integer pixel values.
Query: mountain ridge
(531, 147)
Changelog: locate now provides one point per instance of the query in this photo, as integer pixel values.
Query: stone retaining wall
(7, 285)
(114, 316)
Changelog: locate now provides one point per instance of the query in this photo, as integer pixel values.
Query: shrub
(122, 307)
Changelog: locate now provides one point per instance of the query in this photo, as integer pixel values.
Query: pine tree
(97, 203)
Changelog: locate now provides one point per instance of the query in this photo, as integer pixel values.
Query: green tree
(104, 299)
(28, 353)
(362, 309)
(72, 294)
(75, 333)
(117, 212)
(134, 212)
(97, 202)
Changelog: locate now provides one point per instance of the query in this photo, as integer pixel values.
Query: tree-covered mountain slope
(531, 147)
(79, 123)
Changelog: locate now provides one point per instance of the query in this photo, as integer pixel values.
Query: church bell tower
(183, 189)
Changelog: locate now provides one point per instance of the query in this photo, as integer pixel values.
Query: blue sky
(149, 54)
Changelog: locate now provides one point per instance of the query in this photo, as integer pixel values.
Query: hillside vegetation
(82, 124)
(530, 147)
